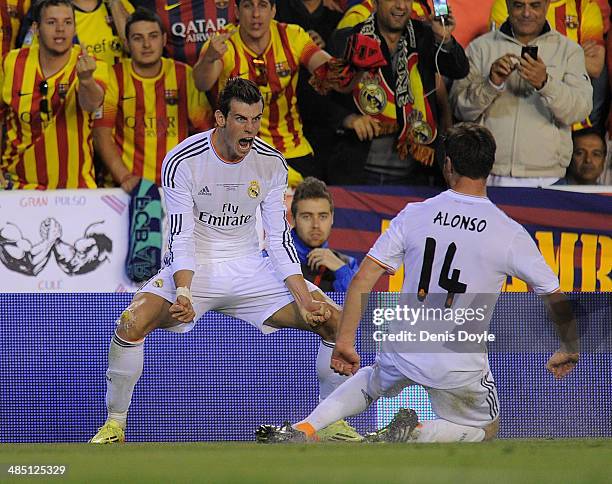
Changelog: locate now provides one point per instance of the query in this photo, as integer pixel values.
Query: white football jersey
(211, 205)
(459, 244)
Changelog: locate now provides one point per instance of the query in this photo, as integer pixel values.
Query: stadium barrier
(224, 378)
(572, 230)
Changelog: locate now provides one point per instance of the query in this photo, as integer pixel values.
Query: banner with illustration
(572, 230)
(77, 240)
(64, 241)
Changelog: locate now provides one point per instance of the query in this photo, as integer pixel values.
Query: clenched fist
(560, 364)
(315, 313)
(50, 229)
(345, 359)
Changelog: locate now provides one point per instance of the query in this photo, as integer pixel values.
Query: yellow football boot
(339, 431)
(110, 433)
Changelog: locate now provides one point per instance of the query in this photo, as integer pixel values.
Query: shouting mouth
(245, 144)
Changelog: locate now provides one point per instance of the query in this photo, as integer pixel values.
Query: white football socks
(444, 431)
(125, 363)
(350, 398)
(328, 380)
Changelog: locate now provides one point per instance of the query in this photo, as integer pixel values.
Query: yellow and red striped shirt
(97, 31)
(578, 20)
(12, 13)
(289, 46)
(46, 150)
(150, 116)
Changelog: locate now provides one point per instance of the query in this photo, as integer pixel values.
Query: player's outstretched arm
(345, 359)
(178, 200)
(564, 360)
(182, 309)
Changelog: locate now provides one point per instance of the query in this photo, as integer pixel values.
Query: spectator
(529, 104)
(270, 54)
(313, 215)
(319, 21)
(100, 27)
(420, 11)
(578, 20)
(582, 22)
(588, 158)
(51, 91)
(190, 23)
(362, 10)
(12, 13)
(391, 119)
(153, 106)
(604, 6)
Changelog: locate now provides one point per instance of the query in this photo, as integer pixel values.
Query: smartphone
(532, 50)
(440, 8)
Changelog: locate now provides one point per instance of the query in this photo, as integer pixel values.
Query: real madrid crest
(421, 130)
(372, 97)
(158, 283)
(253, 189)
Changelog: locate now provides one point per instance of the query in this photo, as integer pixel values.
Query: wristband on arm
(185, 292)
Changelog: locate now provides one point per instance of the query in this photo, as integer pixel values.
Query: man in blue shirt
(313, 215)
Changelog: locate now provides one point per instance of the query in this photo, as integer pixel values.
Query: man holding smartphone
(528, 84)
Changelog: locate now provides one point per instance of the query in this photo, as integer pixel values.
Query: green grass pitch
(502, 461)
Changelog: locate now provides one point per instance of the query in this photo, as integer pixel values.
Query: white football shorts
(247, 288)
(474, 405)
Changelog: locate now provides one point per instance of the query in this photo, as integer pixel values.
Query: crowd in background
(158, 65)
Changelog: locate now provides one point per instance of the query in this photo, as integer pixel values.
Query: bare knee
(491, 430)
(145, 313)
(135, 322)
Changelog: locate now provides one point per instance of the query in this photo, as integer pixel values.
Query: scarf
(413, 120)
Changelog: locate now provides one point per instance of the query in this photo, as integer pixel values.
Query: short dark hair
(471, 149)
(142, 14)
(591, 131)
(272, 2)
(311, 188)
(241, 90)
(42, 4)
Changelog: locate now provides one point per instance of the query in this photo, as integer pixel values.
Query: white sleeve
(527, 263)
(570, 97)
(178, 199)
(388, 251)
(279, 245)
(471, 96)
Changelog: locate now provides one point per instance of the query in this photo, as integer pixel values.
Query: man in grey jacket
(529, 102)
